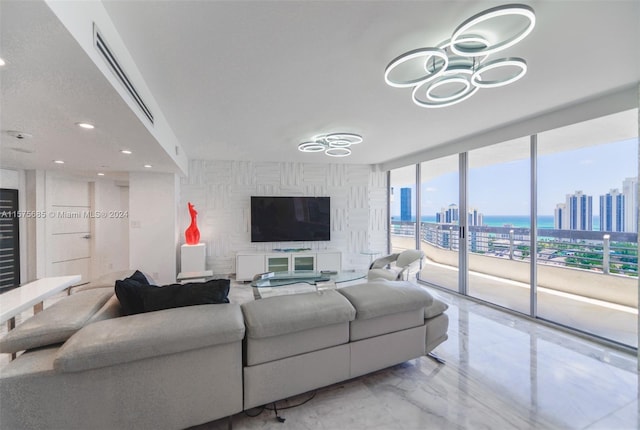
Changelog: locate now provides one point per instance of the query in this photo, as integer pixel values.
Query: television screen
(290, 219)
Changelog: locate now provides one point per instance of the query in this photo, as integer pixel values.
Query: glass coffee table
(302, 281)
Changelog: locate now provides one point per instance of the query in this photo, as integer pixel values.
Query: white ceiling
(249, 80)
(48, 85)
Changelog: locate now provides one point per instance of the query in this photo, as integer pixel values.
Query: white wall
(153, 233)
(221, 191)
(110, 249)
(36, 243)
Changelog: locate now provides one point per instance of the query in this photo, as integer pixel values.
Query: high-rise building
(630, 193)
(580, 208)
(478, 241)
(474, 218)
(560, 217)
(612, 211)
(405, 204)
(448, 216)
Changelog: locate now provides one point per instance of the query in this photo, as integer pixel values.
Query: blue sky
(594, 170)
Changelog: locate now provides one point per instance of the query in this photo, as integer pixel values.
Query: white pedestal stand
(192, 258)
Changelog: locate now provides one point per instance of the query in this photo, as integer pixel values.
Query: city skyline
(594, 170)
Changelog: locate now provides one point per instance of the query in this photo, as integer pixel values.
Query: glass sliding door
(440, 221)
(499, 224)
(403, 208)
(587, 267)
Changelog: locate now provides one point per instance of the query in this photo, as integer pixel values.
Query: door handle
(86, 236)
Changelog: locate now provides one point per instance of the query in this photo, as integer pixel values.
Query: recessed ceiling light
(126, 151)
(58, 161)
(148, 166)
(85, 125)
(100, 174)
(20, 135)
(2, 62)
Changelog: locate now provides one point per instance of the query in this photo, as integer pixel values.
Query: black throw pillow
(139, 277)
(178, 295)
(129, 293)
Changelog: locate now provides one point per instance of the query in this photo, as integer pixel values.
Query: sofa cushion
(32, 364)
(56, 323)
(280, 315)
(111, 309)
(153, 334)
(378, 298)
(435, 309)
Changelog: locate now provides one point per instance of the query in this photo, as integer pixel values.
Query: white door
(68, 227)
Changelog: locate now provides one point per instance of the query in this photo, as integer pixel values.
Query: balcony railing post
(511, 244)
(606, 246)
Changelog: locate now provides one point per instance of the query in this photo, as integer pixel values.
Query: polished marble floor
(502, 371)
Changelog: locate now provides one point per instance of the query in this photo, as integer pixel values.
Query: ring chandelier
(461, 61)
(333, 144)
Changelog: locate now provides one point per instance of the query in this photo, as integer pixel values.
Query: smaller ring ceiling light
(477, 80)
(459, 62)
(333, 144)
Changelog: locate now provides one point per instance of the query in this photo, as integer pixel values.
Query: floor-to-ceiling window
(499, 224)
(587, 198)
(440, 220)
(579, 184)
(403, 208)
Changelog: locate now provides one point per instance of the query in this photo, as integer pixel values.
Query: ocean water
(544, 221)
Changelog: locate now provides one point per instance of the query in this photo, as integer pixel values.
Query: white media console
(250, 263)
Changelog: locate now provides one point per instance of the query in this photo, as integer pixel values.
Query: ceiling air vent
(111, 60)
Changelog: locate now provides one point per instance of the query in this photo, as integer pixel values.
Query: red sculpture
(192, 234)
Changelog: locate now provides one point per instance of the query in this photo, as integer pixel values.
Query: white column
(153, 225)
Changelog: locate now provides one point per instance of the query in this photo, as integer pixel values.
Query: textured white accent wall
(221, 191)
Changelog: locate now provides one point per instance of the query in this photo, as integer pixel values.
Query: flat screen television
(290, 219)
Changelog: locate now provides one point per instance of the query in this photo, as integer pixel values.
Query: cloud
(586, 162)
(430, 189)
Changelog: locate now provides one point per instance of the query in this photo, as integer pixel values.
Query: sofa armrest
(152, 334)
(436, 308)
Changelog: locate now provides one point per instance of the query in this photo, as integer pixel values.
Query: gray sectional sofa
(181, 367)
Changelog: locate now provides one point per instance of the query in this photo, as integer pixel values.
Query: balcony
(587, 280)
